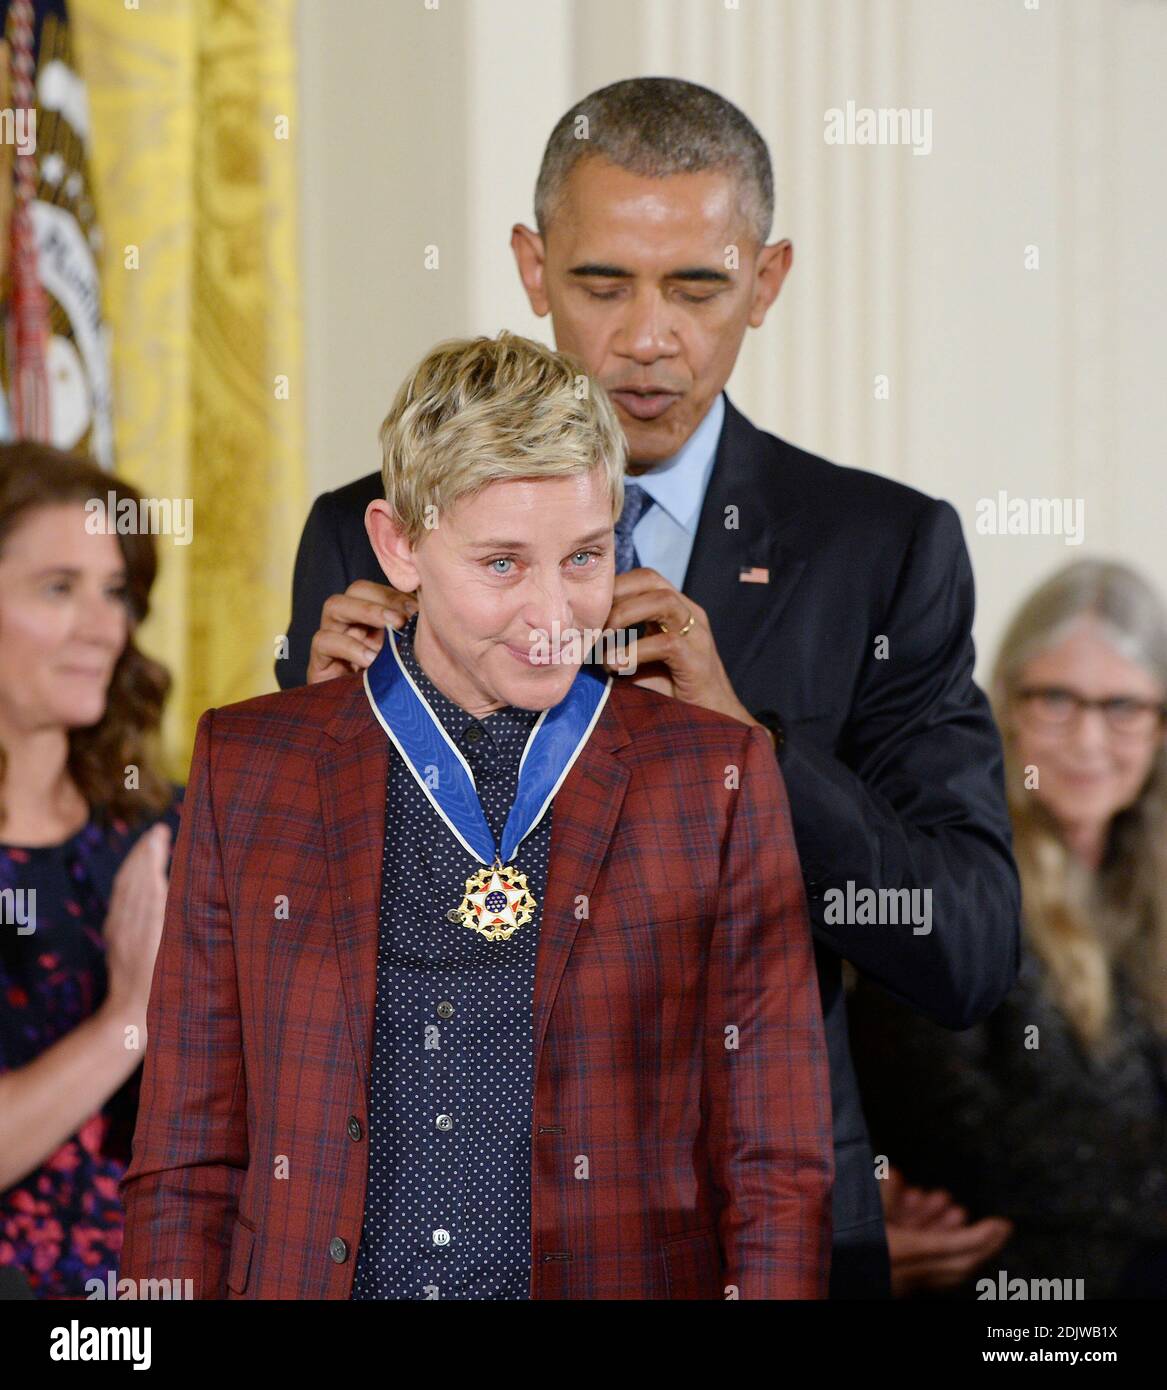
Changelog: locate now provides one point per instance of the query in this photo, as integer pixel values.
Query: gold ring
(681, 631)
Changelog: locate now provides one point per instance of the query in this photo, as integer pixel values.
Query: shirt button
(338, 1249)
(441, 1237)
(445, 1009)
(473, 733)
(445, 1122)
(355, 1131)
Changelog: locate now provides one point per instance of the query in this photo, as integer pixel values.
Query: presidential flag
(54, 349)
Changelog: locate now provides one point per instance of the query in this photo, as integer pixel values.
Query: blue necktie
(636, 503)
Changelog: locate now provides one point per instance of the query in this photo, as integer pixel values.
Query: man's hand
(929, 1238)
(352, 628)
(687, 666)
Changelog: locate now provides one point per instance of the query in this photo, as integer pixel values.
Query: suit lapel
(583, 821)
(744, 488)
(352, 772)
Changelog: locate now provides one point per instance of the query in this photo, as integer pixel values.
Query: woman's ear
(391, 546)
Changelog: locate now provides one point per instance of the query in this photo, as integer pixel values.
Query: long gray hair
(1081, 923)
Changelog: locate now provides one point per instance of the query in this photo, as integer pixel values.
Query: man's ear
(531, 258)
(773, 264)
(391, 546)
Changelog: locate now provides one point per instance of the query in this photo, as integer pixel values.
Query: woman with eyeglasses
(1035, 1144)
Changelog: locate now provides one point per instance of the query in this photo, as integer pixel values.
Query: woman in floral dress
(86, 824)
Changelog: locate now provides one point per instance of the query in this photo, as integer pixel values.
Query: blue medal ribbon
(416, 732)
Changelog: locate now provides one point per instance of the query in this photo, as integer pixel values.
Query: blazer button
(338, 1249)
(355, 1132)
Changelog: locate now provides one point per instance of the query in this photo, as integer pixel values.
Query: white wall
(425, 127)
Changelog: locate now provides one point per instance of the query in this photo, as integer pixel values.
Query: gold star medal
(497, 902)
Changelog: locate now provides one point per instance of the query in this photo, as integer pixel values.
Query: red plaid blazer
(678, 1035)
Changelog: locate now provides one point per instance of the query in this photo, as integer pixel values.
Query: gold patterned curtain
(193, 108)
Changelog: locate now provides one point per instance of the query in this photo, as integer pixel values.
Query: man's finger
(951, 1216)
(932, 1206)
(649, 651)
(651, 606)
(349, 648)
(637, 580)
(343, 610)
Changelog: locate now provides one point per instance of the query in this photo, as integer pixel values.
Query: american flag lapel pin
(756, 574)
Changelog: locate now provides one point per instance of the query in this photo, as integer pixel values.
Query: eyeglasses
(1054, 707)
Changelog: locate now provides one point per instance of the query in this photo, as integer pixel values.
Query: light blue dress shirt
(664, 535)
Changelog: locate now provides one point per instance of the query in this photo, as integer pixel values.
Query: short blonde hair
(480, 410)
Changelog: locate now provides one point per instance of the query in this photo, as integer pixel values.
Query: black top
(1016, 1119)
(62, 1223)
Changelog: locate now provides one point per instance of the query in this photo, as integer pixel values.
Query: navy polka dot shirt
(448, 1210)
